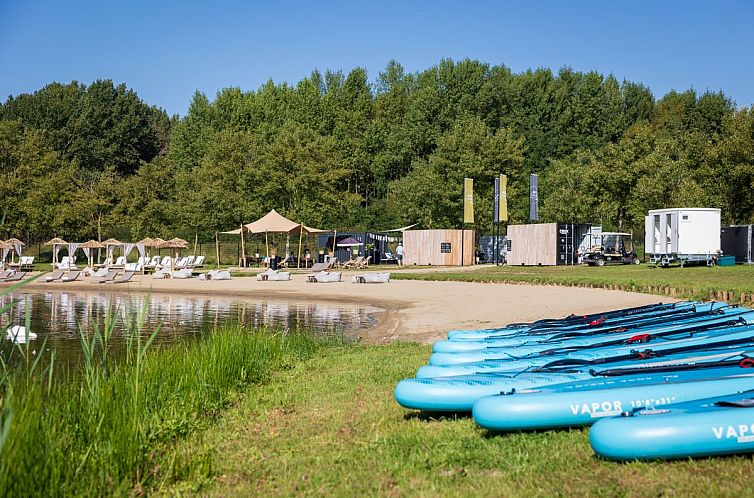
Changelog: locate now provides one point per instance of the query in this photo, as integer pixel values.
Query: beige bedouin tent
(55, 243)
(16, 247)
(274, 222)
(174, 243)
(88, 246)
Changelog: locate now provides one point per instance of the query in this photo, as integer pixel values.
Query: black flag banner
(533, 197)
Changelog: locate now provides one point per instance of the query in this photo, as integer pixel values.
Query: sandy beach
(413, 310)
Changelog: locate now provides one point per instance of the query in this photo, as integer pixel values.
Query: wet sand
(413, 310)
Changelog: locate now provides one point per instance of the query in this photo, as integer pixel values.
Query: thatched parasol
(147, 242)
(112, 242)
(55, 243)
(175, 243)
(16, 245)
(91, 244)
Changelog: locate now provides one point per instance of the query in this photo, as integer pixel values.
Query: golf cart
(616, 248)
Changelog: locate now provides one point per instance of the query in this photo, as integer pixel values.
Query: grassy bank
(732, 283)
(330, 426)
(111, 430)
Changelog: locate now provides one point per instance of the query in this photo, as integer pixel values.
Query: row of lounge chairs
(24, 263)
(326, 276)
(11, 276)
(359, 263)
(144, 263)
(110, 277)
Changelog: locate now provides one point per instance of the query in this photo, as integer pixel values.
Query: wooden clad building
(545, 244)
(438, 247)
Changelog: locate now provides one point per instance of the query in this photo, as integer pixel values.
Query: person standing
(399, 253)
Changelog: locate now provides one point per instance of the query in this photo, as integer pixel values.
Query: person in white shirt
(399, 253)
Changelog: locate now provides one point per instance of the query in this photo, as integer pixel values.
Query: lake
(59, 316)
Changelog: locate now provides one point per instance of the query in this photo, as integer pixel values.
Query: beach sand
(413, 310)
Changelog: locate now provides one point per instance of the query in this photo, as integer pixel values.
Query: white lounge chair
(199, 262)
(67, 263)
(161, 273)
(70, 276)
(55, 275)
(107, 262)
(109, 275)
(325, 276)
(165, 263)
(121, 279)
(120, 263)
(152, 263)
(273, 275)
(371, 278)
(184, 273)
(138, 266)
(25, 263)
(14, 277)
(215, 275)
(185, 262)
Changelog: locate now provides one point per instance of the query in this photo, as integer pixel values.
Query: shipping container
(682, 235)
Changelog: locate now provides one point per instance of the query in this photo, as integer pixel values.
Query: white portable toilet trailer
(682, 235)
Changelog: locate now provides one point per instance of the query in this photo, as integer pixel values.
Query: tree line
(342, 151)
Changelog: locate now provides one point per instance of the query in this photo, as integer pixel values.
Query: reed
(108, 427)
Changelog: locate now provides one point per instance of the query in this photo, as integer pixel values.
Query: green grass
(330, 426)
(730, 283)
(110, 430)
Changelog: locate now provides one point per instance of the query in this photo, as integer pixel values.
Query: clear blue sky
(167, 50)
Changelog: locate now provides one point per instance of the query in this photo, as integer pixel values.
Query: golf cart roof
(615, 233)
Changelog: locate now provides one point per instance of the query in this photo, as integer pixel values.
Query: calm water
(58, 317)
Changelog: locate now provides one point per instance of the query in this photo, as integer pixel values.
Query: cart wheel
(600, 262)
(635, 261)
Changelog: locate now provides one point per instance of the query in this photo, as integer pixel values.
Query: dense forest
(342, 151)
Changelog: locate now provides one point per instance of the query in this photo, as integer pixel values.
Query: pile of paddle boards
(659, 381)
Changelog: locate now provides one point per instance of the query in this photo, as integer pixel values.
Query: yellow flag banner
(503, 213)
(468, 200)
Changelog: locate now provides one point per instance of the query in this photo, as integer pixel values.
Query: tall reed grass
(109, 427)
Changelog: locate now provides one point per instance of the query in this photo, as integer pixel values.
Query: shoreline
(414, 310)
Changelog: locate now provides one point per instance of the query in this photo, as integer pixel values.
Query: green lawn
(733, 283)
(330, 426)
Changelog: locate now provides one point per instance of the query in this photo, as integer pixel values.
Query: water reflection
(58, 316)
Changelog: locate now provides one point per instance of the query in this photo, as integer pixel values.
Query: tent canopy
(402, 229)
(274, 222)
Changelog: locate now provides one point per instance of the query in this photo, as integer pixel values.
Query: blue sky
(167, 50)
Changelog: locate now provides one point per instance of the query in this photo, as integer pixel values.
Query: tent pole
(196, 241)
(217, 250)
(243, 249)
(267, 246)
(334, 239)
(300, 235)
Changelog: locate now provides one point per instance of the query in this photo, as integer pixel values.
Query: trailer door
(672, 220)
(649, 230)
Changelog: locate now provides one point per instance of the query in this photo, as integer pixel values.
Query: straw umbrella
(16, 245)
(55, 243)
(146, 242)
(174, 243)
(91, 244)
(109, 243)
